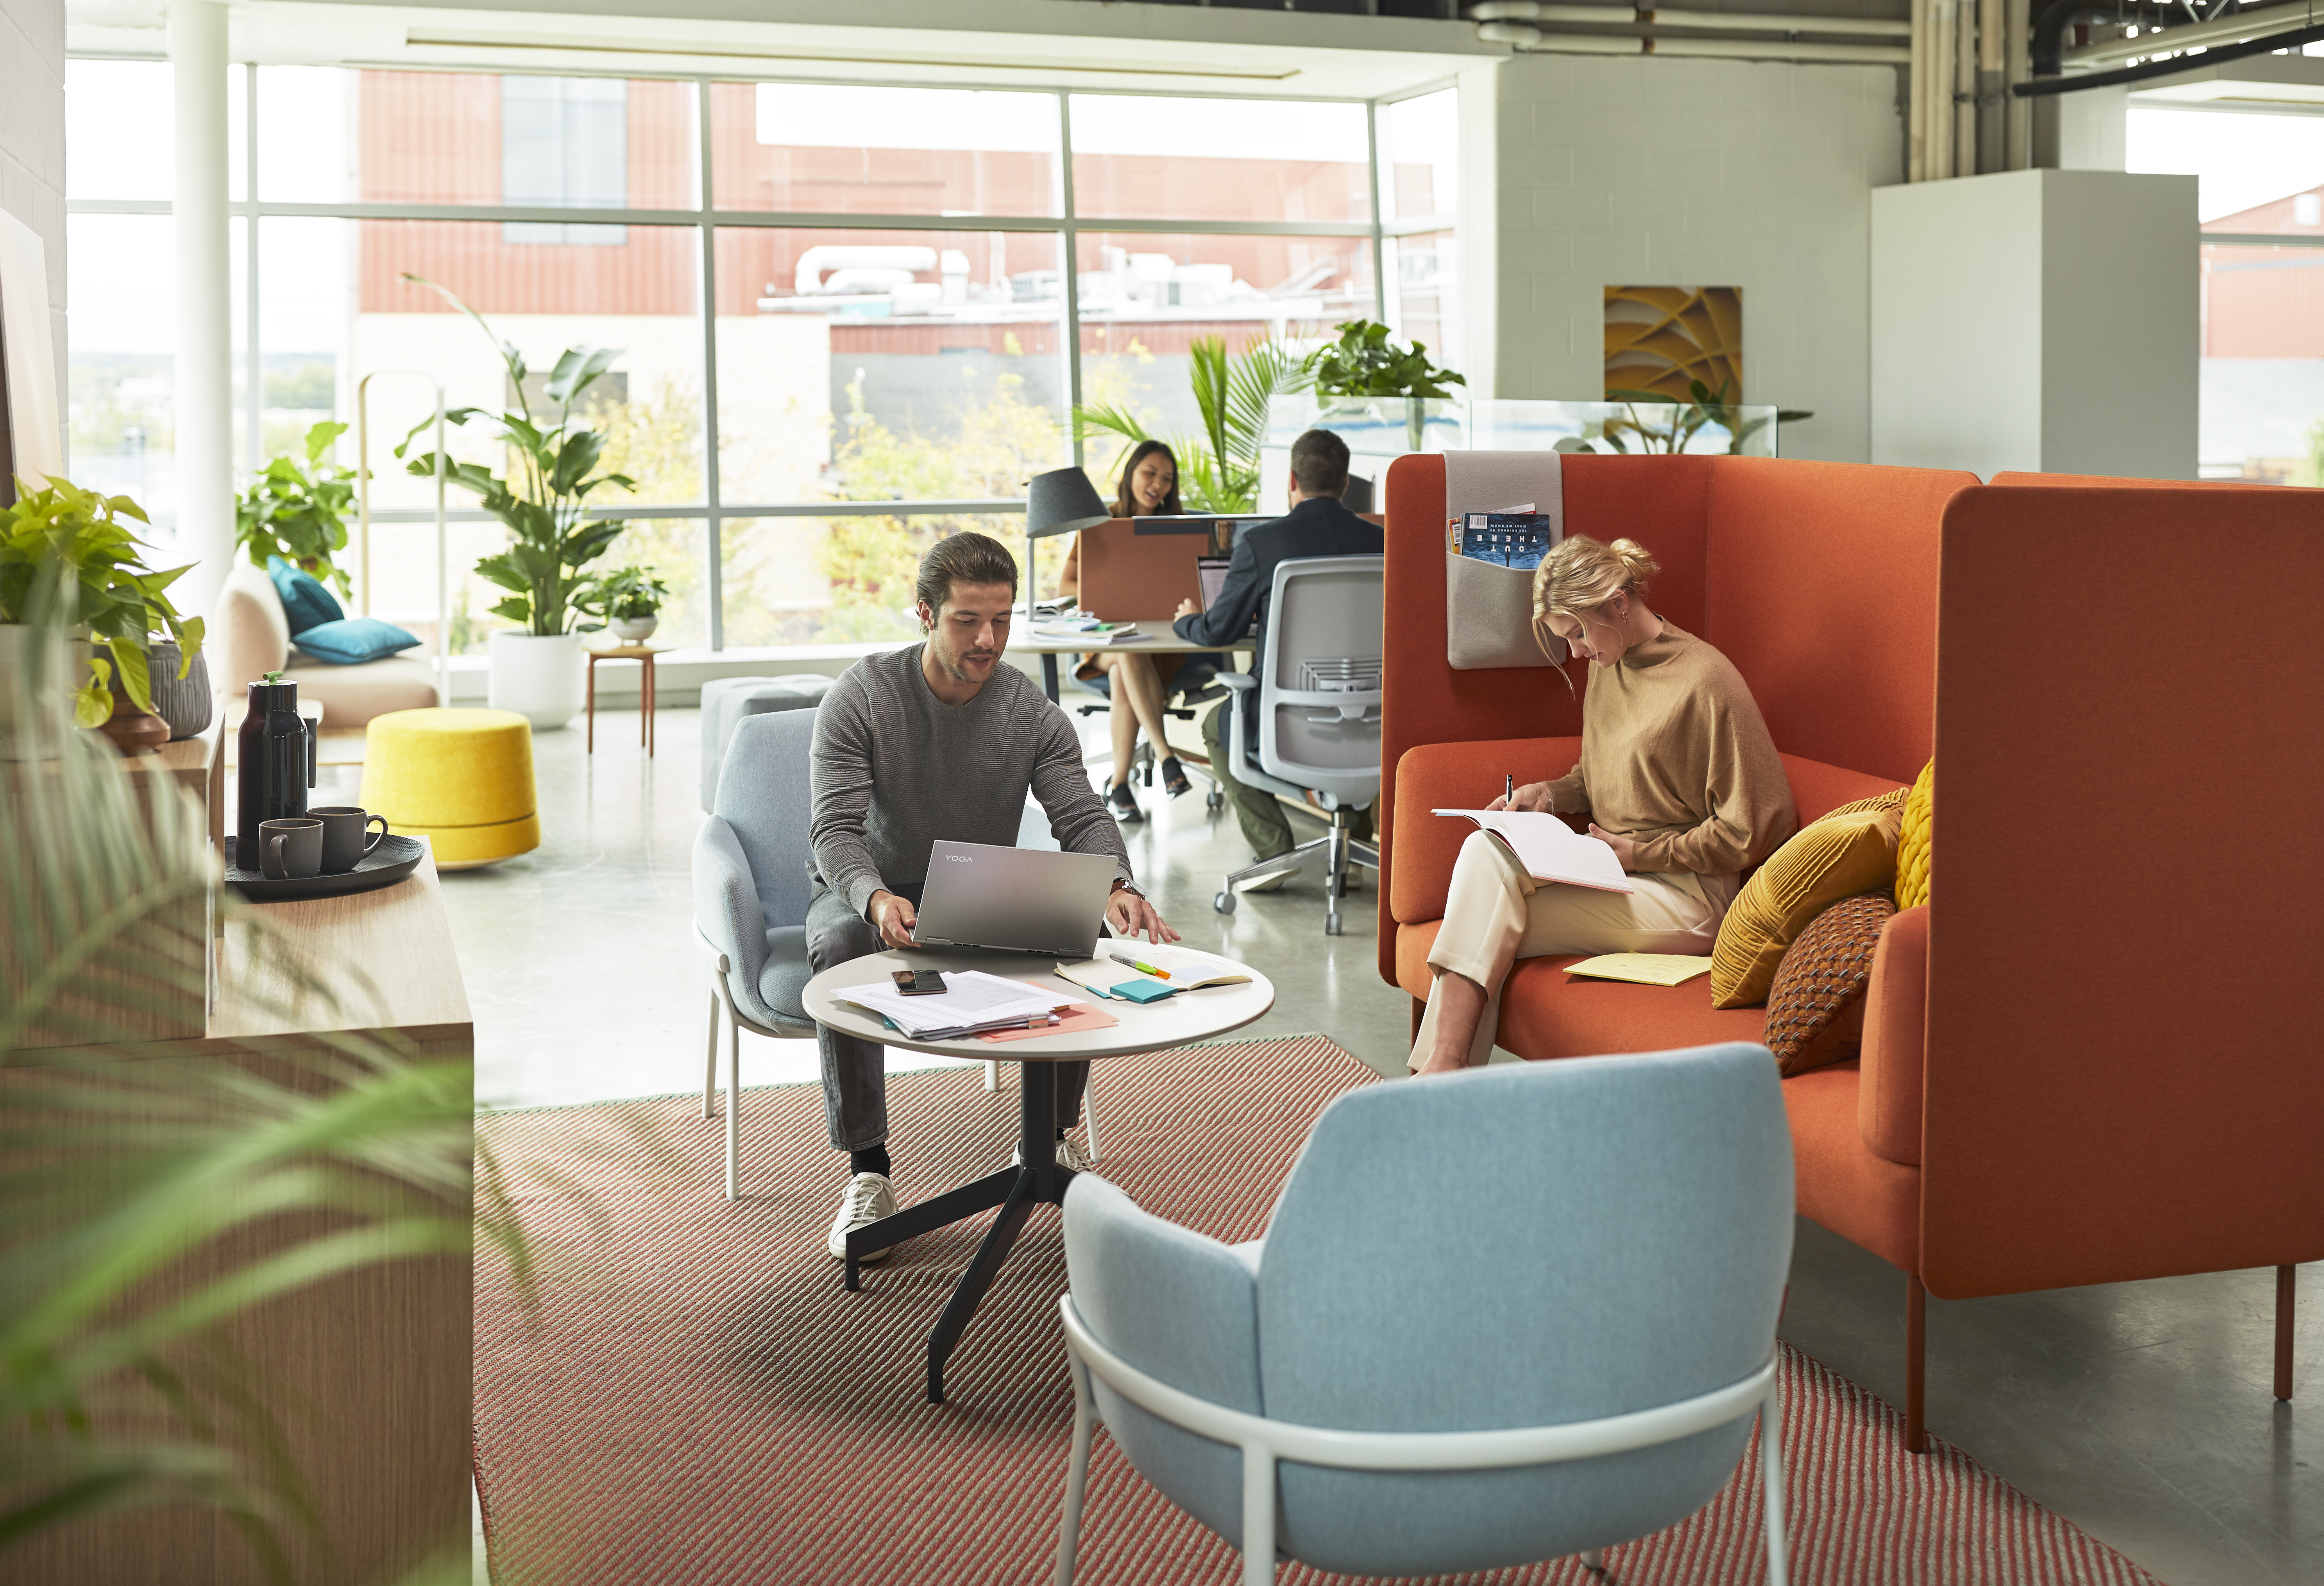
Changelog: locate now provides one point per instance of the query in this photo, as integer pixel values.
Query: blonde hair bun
(1582, 574)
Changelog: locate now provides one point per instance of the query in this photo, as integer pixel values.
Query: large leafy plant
(67, 559)
(545, 496)
(1364, 363)
(1234, 392)
(296, 509)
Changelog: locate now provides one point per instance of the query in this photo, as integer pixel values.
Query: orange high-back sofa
(2092, 1070)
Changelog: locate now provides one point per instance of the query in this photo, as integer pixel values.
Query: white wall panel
(1616, 170)
(32, 138)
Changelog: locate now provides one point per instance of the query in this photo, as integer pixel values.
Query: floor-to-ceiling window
(2262, 208)
(850, 319)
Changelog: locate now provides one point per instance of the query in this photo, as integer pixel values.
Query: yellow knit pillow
(1852, 850)
(1912, 841)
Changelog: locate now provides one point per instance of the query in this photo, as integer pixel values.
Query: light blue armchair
(1508, 1315)
(750, 902)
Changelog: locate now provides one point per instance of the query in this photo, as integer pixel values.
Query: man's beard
(955, 665)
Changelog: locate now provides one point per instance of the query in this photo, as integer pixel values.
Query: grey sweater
(895, 769)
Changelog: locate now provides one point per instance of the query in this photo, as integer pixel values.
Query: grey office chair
(727, 701)
(1407, 1378)
(1319, 715)
(750, 904)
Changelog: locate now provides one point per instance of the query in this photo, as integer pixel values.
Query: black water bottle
(277, 763)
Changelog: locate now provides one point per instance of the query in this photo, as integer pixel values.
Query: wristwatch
(1129, 887)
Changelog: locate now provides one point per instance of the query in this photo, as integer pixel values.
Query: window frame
(706, 218)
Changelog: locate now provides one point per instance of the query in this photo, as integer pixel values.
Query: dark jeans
(1264, 825)
(854, 1078)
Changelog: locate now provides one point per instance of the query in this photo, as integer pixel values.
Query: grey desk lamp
(1061, 501)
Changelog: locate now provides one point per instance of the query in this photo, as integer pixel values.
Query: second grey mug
(348, 836)
(290, 850)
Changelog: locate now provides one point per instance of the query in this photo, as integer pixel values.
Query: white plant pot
(537, 676)
(634, 630)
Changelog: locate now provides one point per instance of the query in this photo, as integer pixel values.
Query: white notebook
(1549, 849)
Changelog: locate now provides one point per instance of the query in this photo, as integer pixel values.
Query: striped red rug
(696, 1400)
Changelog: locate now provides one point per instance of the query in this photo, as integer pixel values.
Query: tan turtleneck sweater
(1676, 757)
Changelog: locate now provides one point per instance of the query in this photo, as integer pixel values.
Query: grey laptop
(1019, 899)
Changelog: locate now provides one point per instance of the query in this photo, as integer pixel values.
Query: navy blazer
(1318, 526)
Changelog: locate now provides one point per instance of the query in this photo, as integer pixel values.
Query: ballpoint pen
(1159, 974)
(1509, 791)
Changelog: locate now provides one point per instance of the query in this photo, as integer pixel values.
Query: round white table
(1036, 1177)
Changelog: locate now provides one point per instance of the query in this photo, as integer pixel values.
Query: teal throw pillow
(304, 600)
(354, 639)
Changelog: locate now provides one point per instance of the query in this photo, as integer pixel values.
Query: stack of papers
(1645, 969)
(973, 1002)
(1091, 630)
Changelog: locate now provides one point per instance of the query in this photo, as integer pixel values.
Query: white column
(205, 371)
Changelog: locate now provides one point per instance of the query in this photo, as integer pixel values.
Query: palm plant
(544, 500)
(1234, 392)
(146, 1204)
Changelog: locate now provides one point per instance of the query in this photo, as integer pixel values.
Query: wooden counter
(369, 1371)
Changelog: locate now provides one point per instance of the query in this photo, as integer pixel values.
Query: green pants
(1260, 814)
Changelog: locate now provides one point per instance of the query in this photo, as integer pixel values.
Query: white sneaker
(1069, 1156)
(869, 1198)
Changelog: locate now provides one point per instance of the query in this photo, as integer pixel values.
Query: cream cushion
(248, 636)
(351, 696)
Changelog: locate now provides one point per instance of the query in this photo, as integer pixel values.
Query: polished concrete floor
(2140, 1411)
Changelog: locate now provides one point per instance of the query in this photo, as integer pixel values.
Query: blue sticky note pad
(1143, 992)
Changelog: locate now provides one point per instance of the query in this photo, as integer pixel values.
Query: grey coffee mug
(290, 850)
(348, 836)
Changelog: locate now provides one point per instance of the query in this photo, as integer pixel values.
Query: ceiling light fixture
(454, 40)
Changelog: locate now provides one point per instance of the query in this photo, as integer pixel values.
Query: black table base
(1036, 1180)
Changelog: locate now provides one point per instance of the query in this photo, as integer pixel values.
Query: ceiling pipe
(1736, 22)
(2212, 55)
(2246, 24)
(1533, 41)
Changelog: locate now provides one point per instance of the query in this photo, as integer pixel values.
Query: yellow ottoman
(462, 778)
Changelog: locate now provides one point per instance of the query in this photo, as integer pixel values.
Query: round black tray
(394, 859)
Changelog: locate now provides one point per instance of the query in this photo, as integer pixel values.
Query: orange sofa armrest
(1896, 1035)
(1455, 776)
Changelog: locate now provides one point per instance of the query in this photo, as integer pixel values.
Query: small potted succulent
(68, 562)
(627, 599)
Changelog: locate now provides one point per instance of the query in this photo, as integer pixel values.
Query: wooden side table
(643, 654)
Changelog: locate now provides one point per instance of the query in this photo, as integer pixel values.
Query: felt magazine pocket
(1488, 607)
(1489, 616)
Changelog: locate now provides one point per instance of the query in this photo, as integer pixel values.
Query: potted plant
(296, 509)
(627, 600)
(536, 669)
(68, 561)
(1364, 363)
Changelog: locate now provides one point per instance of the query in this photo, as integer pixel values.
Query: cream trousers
(1497, 914)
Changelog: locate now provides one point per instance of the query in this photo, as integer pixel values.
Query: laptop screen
(1212, 572)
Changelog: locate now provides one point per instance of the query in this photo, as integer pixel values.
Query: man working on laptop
(1316, 526)
(940, 739)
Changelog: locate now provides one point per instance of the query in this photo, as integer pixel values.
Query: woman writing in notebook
(1137, 683)
(1677, 774)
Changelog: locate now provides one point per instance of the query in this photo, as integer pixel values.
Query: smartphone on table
(918, 983)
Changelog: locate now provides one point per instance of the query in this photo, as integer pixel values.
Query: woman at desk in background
(1680, 779)
(1137, 683)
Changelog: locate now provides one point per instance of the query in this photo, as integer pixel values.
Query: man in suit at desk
(1317, 525)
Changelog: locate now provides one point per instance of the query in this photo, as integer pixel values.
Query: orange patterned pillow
(1815, 1008)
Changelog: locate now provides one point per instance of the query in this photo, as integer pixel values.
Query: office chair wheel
(1224, 902)
(1214, 799)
